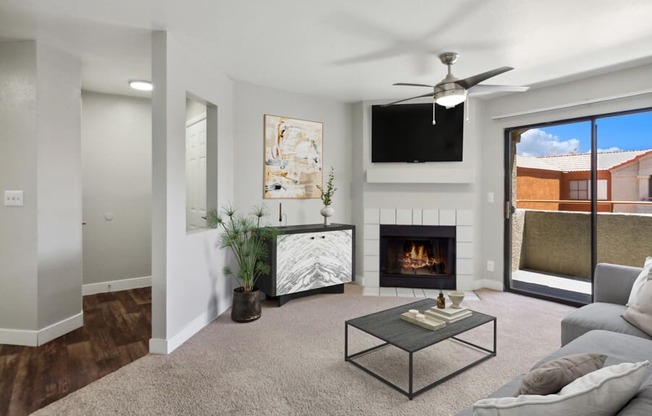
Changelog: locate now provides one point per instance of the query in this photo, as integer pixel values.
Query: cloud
(536, 142)
(611, 149)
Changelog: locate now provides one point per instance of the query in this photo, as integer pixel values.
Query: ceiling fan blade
(406, 99)
(476, 79)
(482, 89)
(407, 84)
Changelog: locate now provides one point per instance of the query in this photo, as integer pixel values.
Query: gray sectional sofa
(612, 286)
(600, 328)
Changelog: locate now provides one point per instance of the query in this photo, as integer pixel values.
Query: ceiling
(346, 50)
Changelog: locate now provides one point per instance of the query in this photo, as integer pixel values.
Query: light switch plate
(14, 198)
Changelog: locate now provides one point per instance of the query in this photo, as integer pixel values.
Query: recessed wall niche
(201, 161)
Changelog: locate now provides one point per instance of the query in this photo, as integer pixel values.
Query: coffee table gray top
(388, 326)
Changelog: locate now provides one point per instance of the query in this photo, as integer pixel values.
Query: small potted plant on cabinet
(247, 238)
(327, 196)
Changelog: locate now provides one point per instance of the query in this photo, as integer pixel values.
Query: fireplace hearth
(417, 256)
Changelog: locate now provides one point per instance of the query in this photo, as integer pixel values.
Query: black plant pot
(246, 305)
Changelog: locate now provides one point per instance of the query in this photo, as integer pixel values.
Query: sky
(624, 132)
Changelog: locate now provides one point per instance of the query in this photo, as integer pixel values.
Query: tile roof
(534, 162)
(580, 161)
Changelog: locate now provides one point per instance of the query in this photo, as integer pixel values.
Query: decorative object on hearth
(456, 298)
(441, 300)
(247, 239)
(293, 157)
(327, 195)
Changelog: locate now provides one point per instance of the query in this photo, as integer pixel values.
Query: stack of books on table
(448, 314)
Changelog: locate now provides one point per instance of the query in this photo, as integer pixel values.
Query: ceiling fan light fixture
(450, 98)
(141, 85)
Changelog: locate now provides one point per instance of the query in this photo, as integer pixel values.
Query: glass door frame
(528, 289)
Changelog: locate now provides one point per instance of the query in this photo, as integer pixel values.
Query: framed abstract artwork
(293, 158)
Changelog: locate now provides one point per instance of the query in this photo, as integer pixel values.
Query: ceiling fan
(451, 91)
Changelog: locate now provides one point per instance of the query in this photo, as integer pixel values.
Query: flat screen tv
(405, 133)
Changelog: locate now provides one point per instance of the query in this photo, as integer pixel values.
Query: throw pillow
(600, 393)
(553, 375)
(640, 281)
(639, 313)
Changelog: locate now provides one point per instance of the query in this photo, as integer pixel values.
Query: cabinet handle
(323, 236)
(312, 238)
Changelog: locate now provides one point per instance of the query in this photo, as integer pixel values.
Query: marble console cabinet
(309, 259)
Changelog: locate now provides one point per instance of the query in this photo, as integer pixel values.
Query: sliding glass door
(578, 194)
(624, 220)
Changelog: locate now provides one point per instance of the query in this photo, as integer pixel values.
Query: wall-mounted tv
(405, 133)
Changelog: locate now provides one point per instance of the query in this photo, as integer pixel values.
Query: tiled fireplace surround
(460, 218)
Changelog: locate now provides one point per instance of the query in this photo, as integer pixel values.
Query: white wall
(188, 287)
(59, 186)
(41, 242)
(18, 144)
(194, 109)
(491, 134)
(117, 189)
(251, 104)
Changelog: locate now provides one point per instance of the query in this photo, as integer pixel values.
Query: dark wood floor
(116, 331)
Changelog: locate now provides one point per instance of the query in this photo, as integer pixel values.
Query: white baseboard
(116, 285)
(19, 337)
(158, 346)
(35, 338)
(489, 284)
(166, 346)
(60, 328)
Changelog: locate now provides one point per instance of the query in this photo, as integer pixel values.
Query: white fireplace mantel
(412, 173)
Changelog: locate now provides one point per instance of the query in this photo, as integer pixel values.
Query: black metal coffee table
(388, 326)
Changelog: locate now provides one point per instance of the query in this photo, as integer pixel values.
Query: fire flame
(417, 257)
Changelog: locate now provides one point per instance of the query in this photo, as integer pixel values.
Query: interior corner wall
(188, 287)
(252, 102)
(59, 209)
(117, 188)
(40, 277)
(492, 135)
(18, 144)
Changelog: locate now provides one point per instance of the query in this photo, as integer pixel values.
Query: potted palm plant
(247, 238)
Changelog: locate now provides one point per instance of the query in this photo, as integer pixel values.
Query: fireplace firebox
(417, 256)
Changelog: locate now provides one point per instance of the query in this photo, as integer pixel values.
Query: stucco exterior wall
(559, 242)
(538, 184)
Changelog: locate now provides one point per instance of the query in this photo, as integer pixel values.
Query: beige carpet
(291, 362)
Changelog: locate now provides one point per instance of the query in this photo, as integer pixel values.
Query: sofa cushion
(554, 375)
(601, 392)
(639, 313)
(641, 404)
(640, 281)
(605, 316)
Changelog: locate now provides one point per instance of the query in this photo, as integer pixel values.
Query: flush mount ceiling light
(141, 85)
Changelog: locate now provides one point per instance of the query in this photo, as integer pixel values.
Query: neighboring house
(632, 181)
(564, 180)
